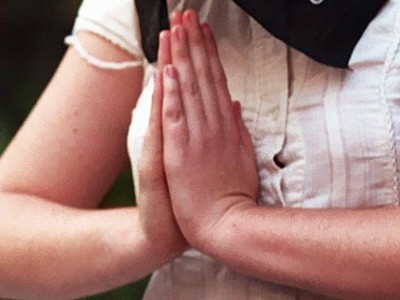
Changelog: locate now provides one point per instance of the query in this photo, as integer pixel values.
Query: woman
(335, 252)
(322, 139)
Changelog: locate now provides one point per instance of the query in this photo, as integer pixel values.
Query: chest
(323, 137)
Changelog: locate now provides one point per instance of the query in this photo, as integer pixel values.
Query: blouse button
(316, 2)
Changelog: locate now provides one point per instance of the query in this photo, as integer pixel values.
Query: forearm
(342, 253)
(48, 251)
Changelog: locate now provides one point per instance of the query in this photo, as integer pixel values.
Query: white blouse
(324, 137)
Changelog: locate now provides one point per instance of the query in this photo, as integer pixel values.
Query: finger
(153, 138)
(175, 129)
(191, 96)
(164, 50)
(151, 164)
(201, 66)
(218, 73)
(176, 18)
(244, 134)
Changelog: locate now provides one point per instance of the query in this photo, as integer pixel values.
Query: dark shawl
(326, 32)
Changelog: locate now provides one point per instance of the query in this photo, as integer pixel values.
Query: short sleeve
(115, 20)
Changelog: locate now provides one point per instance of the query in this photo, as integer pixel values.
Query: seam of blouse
(334, 135)
(393, 50)
(93, 61)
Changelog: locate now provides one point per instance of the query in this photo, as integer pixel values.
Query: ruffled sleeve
(115, 20)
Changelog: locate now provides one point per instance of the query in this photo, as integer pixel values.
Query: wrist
(164, 241)
(170, 244)
(158, 226)
(137, 254)
(223, 232)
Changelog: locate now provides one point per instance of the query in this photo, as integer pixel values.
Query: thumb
(151, 167)
(153, 141)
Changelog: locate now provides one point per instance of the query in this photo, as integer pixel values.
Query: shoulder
(114, 20)
(119, 9)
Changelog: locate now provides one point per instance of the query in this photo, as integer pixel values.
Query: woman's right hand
(155, 209)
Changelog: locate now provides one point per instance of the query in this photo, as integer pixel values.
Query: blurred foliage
(32, 34)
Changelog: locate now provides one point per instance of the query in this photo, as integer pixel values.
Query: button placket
(270, 110)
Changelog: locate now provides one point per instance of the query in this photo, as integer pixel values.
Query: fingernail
(171, 72)
(164, 41)
(192, 16)
(176, 14)
(164, 34)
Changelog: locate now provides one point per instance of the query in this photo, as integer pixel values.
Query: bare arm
(49, 251)
(341, 253)
(63, 160)
(73, 145)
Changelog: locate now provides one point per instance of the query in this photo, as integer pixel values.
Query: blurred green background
(32, 34)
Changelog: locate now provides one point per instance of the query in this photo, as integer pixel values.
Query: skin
(41, 257)
(348, 254)
(48, 224)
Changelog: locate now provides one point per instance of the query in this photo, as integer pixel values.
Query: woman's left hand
(156, 216)
(208, 154)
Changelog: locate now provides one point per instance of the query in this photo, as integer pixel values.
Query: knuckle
(172, 113)
(172, 90)
(191, 87)
(181, 54)
(176, 137)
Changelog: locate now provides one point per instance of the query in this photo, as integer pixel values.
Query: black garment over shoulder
(327, 32)
(153, 18)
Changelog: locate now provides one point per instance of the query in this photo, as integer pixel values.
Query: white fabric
(114, 20)
(91, 60)
(335, 133)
